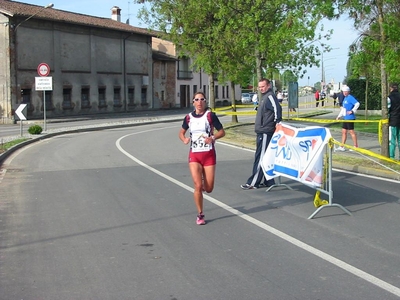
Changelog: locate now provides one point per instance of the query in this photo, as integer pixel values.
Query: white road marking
(2, 174)
(314, 251)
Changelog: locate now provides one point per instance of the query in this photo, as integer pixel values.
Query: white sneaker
(340, 149)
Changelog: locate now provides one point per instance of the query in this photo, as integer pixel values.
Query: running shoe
(200, 219)
(248, 187)
(340, 149)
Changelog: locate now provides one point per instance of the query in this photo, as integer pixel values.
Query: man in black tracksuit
(394, 119)
(269, 113)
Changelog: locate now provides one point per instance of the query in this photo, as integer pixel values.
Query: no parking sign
(43, 69)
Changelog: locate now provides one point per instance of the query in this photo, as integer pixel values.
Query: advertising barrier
(298, 154)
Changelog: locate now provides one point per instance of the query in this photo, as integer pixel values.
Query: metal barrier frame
(329, 190)
(328, 185)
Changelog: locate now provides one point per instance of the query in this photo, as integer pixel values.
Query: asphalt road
(110, 215)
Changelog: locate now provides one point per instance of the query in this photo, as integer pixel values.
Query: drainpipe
(124, 70)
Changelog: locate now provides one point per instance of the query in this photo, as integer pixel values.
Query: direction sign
(43, 69)
(44, 83)
(20, 112)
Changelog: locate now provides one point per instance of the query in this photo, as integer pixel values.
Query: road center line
(314, 251)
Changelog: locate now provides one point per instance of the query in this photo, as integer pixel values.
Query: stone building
(98, 65)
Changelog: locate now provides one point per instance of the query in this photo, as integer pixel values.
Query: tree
(237, 36)
(379, 22)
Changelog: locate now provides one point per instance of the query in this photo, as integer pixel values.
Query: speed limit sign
(43, 69)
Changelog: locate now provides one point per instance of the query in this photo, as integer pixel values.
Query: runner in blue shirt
(348, 112)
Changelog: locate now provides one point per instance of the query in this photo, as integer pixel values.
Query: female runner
(202, 156)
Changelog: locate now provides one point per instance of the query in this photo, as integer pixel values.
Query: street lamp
(323, 81)
(50, 5)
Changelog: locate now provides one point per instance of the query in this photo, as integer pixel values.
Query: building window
(204, 89)
(48, 95)
(184, 71)
(216, 92)
(131, 96)
(163, 69)
(67, 103)
(102, 97)
(117, 96)
(143, 98)
(223, 92)
(194, 89)
(26, 98)
(85, 97)
(162, 96)
(227, 92)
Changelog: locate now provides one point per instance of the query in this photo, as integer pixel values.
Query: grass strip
(5, 146)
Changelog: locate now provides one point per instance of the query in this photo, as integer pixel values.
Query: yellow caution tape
(366, 152)
(318, 201)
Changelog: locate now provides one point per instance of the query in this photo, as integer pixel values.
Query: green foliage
(35, 129)
(377, 49)
(233, 38)
(359, 91)
(8, 145)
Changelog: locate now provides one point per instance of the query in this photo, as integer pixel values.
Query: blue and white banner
(296, 153)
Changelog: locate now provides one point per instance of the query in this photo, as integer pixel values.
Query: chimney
(116, 13)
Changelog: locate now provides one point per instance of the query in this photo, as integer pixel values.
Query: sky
(334, 62)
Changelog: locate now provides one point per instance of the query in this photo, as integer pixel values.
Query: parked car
(246, 98)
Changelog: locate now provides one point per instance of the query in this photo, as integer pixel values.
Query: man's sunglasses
(201, 99)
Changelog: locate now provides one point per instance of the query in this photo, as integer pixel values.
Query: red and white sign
(43, 69)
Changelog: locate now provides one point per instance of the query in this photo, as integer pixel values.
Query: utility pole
(323, 73)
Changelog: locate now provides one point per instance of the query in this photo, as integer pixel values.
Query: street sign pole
(44, 111)
(43, 70)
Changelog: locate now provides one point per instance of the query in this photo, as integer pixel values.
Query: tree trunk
(212, 91)
(385, 126)
(233, 101)
(258, 65)
(258, 71)
(384, 93)
(366, 98)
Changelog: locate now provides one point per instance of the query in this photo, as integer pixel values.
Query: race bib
(199, 143)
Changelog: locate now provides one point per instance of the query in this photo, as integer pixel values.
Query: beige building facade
(189, 81)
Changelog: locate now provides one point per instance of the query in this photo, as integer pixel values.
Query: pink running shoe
(200, 219)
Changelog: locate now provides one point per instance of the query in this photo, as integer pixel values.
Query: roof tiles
(14, 9)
